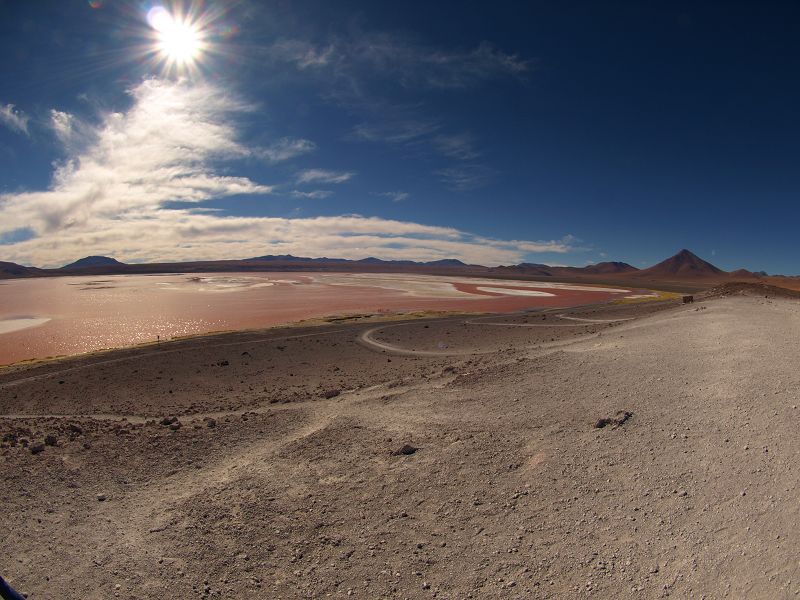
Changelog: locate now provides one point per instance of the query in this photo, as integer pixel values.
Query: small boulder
(37, 447)
(328, 394)
(615, 421)
(404, 450)
(51, 440)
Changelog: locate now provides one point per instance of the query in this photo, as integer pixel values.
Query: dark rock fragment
(621, 417)
(404, 450)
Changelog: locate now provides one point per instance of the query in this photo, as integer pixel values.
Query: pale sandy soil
(513, 493)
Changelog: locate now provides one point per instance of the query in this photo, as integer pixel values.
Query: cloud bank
(117, 189)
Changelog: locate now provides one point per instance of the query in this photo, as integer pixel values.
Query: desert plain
(633, 450)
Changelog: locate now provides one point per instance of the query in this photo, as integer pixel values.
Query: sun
(179, 42)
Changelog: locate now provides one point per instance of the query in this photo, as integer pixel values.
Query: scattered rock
(51, 440)
(328, 394)
(404, 450)
(175, 425)
(168, 420)
(37, 447)
(211, 422)
(223, 363)
(614, 421)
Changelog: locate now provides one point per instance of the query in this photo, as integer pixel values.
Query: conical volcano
(683, 264)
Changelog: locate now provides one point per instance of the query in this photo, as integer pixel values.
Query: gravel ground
(379, 462)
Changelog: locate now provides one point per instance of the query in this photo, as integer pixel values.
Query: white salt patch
(434, 286)
(9, 325)
(510, 292)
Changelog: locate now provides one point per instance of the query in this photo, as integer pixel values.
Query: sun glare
(179, 42)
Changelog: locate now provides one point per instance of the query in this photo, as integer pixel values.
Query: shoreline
(94, 317)
(313, 322)
(334, 318)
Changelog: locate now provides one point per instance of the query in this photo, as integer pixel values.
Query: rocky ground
(449, 458)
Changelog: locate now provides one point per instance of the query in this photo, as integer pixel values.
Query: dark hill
(9, 270)
(745, 274)
(446, 262)
(93, 261)
(611, 267)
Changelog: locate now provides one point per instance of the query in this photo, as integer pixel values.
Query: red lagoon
(71, 315)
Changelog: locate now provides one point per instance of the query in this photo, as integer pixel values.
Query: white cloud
(115, 195)
(402, 60)
(465, 178)
(157, 152)
(395, 196)
(14, 118)
(323, 176)
(73, 133)
(460, 146)
(303, 54)
(394, 132)
(62, 124)
(315, 194)
(287, 148)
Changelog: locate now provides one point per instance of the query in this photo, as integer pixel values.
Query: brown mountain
(526, 270)
(607, 268)
(745, 274)
(683, 265)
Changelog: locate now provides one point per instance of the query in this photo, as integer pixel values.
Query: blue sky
(563, 133)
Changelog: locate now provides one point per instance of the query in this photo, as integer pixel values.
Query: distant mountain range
(447, 262)
(684, 268)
